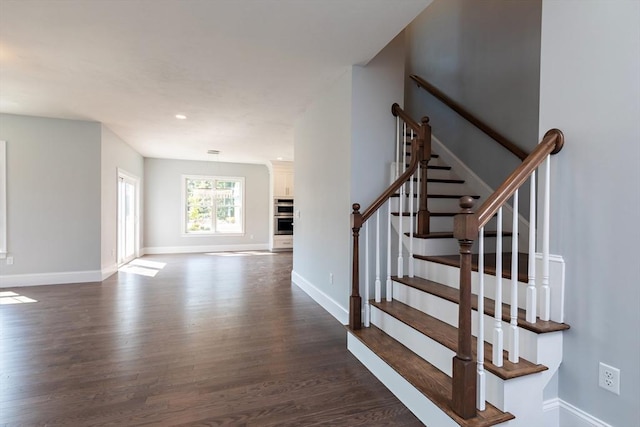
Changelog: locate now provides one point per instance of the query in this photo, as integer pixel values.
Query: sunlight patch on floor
(9, 297)
(143, 267)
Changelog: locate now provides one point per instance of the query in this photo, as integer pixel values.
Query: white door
(127, 218)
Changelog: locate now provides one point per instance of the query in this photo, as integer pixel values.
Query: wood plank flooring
(211, 340)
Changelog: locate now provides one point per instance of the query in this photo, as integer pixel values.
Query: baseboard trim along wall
(109, 271)
(155, 250)
(19, 280)
(558, 413)
(325, 301)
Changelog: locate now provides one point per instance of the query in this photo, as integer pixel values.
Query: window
(213, 205)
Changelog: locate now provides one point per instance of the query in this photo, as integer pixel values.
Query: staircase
(437, 333)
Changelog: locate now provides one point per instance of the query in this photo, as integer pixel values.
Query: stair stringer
(425, 410)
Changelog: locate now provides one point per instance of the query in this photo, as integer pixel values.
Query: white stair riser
(435, 353)
(447, 311)
(438, 223)
(451, 277)
(418, 404)
(448, 246)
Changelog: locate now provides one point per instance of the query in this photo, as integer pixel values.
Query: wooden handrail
(501, 139)
(551, 144)
(399, 112)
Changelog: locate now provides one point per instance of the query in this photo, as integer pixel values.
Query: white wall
(115, 154)
(163, 206)
(53, 197)
(590, 89)
(344, 144)
(322, 171)
(485, 55)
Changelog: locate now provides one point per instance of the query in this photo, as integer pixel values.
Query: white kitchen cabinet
(283, 179)
(284, 242)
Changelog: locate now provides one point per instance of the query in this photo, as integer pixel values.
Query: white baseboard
(109, 271)
(325, 301)
(19, 280)
(154, 250)
(558, 413)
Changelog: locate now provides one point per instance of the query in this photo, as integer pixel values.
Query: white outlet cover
(609, 378)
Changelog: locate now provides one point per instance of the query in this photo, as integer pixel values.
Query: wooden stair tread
(425, 377)
(447, 336)
(449, 235)
(436, 167)
(489, 262)
(452, 294)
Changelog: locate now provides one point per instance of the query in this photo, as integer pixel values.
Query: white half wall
(163, 205)
(590, 89)
(53, 196)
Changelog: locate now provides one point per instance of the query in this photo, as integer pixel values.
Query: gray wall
(485, 55)
(115, 154)
(163, 205)
(344, 144)
(590, 88)
(53, 194)
(322, 184)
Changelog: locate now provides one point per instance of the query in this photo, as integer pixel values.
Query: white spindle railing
(377, 284)
(498, 340)
(545, 291)
(397, 149)
(367, 307)
(481, 391)
(531, 285)
(411, 223)
(389, 283)
(514, 341)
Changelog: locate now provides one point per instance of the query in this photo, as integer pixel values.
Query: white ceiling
(240, 70)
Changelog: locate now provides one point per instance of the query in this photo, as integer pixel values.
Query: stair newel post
(355, 302)
(424, 136)
(463, 401)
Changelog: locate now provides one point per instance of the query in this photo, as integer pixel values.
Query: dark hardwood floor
(210, 340)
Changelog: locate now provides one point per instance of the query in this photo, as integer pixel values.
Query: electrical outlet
(9, 260)
(331, 278)
(609, 378)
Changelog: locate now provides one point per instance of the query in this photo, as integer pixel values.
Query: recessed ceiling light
(181, 116)
(279, 158)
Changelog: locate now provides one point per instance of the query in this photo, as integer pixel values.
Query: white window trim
(3, 199)
(183, 206)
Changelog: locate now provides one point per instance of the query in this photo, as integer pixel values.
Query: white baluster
(514, 353)
(531, 286)
(389, 284)
(481, 391)
(545, 291)
(378, 290)
(498, 340)
(367, 308)
(411, 225)
(400, 205)
(397, 148)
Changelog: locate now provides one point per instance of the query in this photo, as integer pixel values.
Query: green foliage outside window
(207, 195)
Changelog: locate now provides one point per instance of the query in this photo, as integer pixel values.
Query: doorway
(127, 217)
